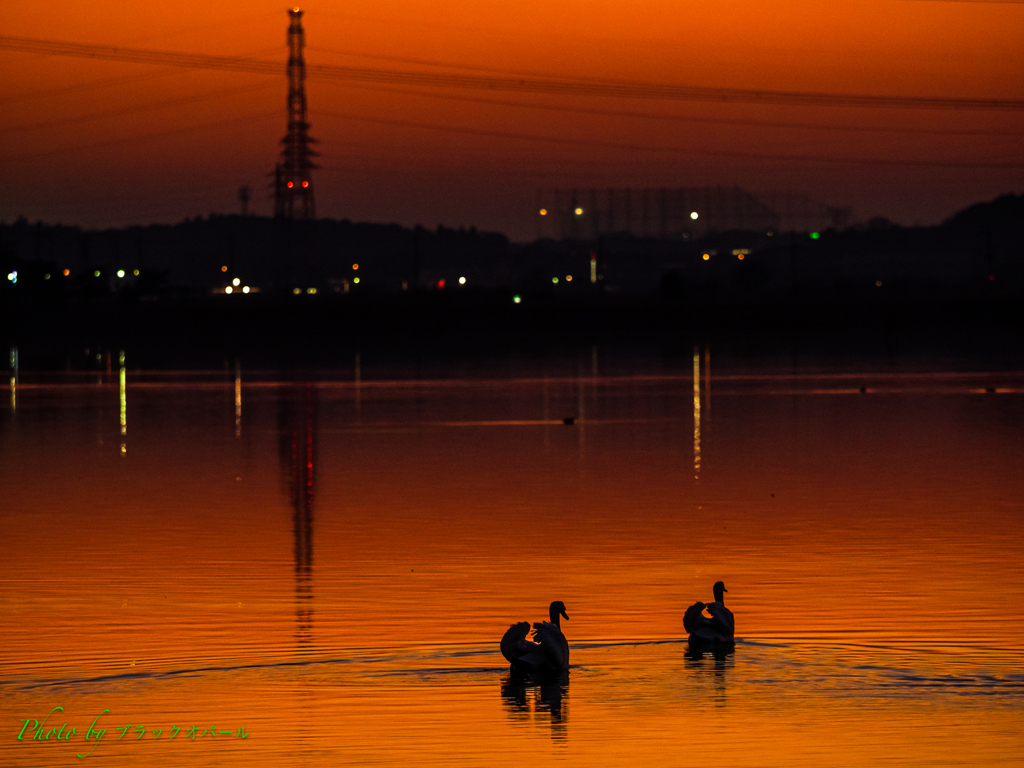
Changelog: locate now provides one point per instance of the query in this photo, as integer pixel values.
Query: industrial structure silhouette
(293, 183)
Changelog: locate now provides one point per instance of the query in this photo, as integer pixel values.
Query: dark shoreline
(436, 328)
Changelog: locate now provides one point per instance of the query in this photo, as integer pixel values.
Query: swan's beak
(565, 615)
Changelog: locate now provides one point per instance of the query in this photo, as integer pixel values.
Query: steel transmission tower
(293, 183)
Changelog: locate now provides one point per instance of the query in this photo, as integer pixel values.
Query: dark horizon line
(22, 220)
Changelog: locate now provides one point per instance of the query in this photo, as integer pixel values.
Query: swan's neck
(556, 619)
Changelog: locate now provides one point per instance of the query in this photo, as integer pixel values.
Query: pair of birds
(548, 652)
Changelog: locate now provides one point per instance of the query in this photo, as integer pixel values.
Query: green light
(96, 273)
(815, 235)
(517, 299)
(554, 280)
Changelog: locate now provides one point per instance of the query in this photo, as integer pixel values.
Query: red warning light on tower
(305, 184)
(290, 184)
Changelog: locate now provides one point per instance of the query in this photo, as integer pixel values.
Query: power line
(78, 88)
(691, 118)
(518, 84)
(103, 83)
(427, 62)
(147, 136)
(134, 109)
(676, 150)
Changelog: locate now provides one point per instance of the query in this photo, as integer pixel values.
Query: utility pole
(293, 185)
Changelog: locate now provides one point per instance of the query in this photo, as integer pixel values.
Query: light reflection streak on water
(124, 404)
(14, 378)
(696, 413)
(238, 398)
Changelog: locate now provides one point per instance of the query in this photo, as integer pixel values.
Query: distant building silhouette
(671, 213)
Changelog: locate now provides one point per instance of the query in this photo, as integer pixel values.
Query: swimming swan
(719, 629)
(547, 653)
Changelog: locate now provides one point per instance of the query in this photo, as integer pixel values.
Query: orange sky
(100, 143)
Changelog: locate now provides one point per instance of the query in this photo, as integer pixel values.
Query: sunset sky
(100, 143)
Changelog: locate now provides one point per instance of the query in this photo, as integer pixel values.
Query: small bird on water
(546, 654)
(719, 630)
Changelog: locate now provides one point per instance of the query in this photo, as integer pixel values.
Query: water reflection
(696, 412)
(943, 523)
(529, 700)
(238, 398)
(297, 448)
(708, 661)
(124, 404)
(14, 378)
(701, 410)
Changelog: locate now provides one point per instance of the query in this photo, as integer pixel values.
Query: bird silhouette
(720, 629)
(546, 654)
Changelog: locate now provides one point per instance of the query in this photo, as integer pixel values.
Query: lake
(253, 567)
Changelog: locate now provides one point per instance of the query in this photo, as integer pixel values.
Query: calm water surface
(319, 570)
